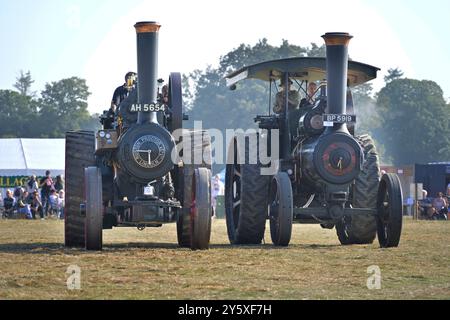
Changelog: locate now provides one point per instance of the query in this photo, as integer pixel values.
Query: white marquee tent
(25, 157)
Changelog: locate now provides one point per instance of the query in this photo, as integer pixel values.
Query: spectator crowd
(43, 198)
(435, 208)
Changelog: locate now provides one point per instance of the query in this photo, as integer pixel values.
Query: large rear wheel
(362, 229)
(80, 154)
(390, 211)
(94, 209)
(246, 192)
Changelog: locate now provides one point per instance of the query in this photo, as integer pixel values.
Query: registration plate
(330, 120)
(146, 108)
(149, 191)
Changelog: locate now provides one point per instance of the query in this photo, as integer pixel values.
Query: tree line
(62, 106)
(408, 118)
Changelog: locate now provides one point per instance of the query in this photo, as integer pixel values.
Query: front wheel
(390, 211)
(281, 209)
(201, 210)
(94, 209)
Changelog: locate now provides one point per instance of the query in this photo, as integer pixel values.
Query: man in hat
(280, 100)
(122, 92)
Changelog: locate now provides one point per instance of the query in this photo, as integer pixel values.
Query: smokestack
(337, 70)
(147, 61)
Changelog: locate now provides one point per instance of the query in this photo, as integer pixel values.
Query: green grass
(149, 265)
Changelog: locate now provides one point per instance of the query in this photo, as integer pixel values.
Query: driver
(294, 98)
(122, 92)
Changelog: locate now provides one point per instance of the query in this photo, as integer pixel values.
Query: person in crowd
(218, 189)
(61, 204)
(18, 193)
(36, 206)
(53, 203)
(9, 204)
(23, 206)
(59, 184)
(47, 185)
(2, 207)
(425, 207)
(440, 207)
(32, 185)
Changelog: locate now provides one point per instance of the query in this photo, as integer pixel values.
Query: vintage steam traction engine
(140, 173)
(325, 174)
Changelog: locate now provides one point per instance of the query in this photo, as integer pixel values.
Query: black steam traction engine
(127, 177)
(326, 175)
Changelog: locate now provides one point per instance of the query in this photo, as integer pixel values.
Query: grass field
(149, 265)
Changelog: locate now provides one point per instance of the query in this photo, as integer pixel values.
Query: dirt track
(149, 265)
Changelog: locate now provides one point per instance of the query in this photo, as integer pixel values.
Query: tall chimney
(147, 61)
(337, 70)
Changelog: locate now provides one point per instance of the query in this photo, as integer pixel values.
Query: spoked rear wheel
(281, 210)
(201, 210)
(390, 211)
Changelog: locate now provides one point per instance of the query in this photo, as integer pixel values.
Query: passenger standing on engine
(310, 99)
(312, 90)
(165, 95)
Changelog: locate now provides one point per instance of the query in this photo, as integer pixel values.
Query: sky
(96, 40)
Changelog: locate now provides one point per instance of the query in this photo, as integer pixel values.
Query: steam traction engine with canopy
(325, 175)
(145, 170)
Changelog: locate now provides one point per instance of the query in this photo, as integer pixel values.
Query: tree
(393, 74)
(23, 84)
(415, 121)
(63, 107)
(17, 116)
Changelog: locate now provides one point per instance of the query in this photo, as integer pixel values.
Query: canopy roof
(24, 157)
(303, 69)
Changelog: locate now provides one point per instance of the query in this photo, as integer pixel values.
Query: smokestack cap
(337, 38)
(147, 27)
